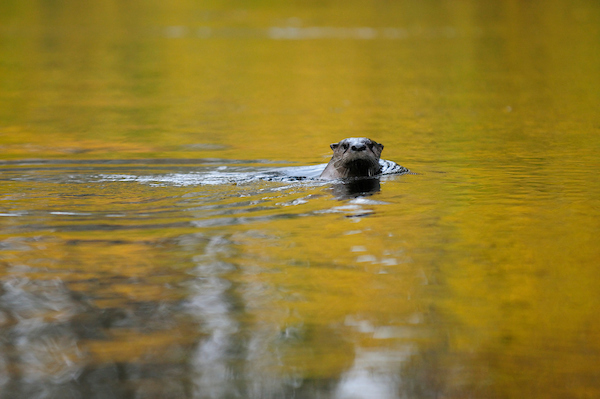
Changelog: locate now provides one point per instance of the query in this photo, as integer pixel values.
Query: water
(147, 251)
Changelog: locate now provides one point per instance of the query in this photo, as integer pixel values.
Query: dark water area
(163, 232)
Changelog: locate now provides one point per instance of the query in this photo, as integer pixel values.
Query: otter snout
(358, 147)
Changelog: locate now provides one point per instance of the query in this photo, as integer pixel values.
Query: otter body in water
(358, 157)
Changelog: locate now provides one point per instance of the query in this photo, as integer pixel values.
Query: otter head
(354, 157)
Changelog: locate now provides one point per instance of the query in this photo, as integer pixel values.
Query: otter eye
(345, 146)
(370, 145)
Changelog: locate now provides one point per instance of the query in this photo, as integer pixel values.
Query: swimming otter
(354, 157)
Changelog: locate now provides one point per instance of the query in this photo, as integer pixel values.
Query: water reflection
(153, 244)
(52, 338)
(237, 357)
(311, 32)
(39, 345)
(225, 290)
(203, 333)
(354, 188)
(374, 374)
(213, 361)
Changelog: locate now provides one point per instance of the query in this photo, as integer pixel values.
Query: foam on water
(241, 175)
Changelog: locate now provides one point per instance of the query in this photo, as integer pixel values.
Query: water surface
(145, 252)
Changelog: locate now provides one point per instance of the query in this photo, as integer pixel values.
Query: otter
(354, 157)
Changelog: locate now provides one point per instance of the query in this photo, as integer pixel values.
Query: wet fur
(354, 157)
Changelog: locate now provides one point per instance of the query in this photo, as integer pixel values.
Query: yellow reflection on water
(474, 277)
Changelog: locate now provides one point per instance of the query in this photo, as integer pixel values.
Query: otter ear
(334, 146)
(379, 146)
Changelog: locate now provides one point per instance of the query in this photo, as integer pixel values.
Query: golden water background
(476, 277)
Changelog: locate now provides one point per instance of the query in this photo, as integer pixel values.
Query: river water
(147, 252)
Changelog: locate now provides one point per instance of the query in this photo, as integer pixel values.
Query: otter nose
(359, 147)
